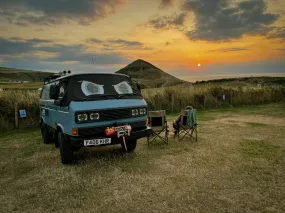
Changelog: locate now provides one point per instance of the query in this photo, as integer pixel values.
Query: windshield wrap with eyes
(101, 86)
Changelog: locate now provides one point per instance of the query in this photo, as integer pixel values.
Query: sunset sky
(225, 37)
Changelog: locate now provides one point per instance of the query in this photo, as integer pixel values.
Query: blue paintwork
(64, 117)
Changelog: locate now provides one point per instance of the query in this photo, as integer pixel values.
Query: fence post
(172, 102)
(16, 116)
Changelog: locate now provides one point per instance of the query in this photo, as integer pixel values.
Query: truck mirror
(54, 92)
(139, 86)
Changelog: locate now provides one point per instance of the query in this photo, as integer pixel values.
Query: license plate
(97, 142)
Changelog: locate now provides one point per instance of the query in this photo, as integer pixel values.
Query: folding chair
(187, 125)
(158, 123)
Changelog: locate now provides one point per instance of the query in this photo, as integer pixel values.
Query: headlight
(82, 117)
(142, 111)
(94, 116)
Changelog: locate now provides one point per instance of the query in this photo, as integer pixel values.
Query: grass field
(33, 86)
(237, 165)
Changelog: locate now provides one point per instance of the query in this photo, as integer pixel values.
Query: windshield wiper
(98, 95)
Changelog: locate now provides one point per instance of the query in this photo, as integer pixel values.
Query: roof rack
(55, 76)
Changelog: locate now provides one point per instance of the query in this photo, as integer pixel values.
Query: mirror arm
(57, 102)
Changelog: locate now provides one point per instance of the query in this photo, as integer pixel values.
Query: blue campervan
(82, 110)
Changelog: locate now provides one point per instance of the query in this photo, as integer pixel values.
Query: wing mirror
(139, 87)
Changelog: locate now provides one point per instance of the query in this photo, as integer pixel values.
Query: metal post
(16, 116)
(172, 102)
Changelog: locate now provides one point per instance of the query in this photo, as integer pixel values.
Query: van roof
(92, 73)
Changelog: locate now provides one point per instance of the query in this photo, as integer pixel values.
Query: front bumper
(79, 141)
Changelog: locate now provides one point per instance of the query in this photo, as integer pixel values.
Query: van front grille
(114, 114)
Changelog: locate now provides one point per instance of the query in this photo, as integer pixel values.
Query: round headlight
(82, 117)
(94, 116)
(137, 111)
(133, 112)
(142, 111)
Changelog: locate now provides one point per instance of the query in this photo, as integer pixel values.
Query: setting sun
(199, 65)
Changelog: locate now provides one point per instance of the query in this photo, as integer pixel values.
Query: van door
(48, 109)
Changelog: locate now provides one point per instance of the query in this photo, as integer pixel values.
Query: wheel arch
(59, 128)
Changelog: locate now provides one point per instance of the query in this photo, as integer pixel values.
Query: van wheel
(65, 148)
(46, 134)
(131, 145)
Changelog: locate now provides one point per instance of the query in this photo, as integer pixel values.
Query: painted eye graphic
(123, 88)
(89, 88)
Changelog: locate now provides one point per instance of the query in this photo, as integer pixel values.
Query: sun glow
(199, 65)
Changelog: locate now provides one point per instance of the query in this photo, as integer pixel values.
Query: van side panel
(54, 115)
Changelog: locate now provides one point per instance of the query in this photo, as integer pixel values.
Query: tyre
(66, 153)
(131, 145)
(46, 134)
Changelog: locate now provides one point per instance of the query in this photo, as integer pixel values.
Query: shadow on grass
(253, 124)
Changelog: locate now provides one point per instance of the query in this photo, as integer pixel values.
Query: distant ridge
(149, 75)
(12, 74)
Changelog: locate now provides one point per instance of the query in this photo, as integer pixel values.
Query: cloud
(111, 44)
(94, 40)
(166, 3)
(167, 22)
(167, 43)
(26, 50)
(17, 45)
(277, 33)
(42, 12)
(234, 49)
(218, 20)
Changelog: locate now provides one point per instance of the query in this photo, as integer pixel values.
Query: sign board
(23, 113)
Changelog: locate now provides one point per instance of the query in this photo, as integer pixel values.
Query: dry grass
(208, 96)
(232, 168)
(172, 99)
(25, 99)
(33, 86)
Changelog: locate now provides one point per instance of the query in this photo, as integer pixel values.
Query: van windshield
(100, 86)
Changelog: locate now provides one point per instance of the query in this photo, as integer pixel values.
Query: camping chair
(188, 125)
(158, 123)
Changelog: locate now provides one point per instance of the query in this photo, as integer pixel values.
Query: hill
(11, 74)
(149, 75)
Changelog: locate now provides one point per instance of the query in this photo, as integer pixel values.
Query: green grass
(263, 149)
(232, 168)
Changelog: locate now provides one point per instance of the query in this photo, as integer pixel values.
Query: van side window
(45, 93)
(46, 90)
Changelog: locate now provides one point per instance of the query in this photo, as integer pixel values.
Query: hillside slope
(149, 75)
(11, 74)
(244, 81)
